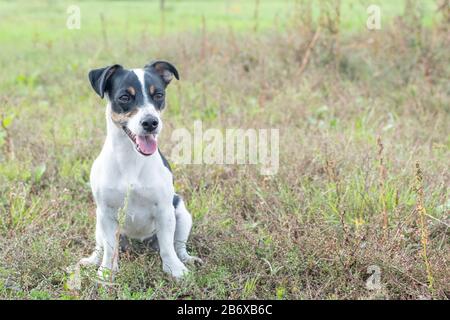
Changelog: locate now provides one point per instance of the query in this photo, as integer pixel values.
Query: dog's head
(137, 98)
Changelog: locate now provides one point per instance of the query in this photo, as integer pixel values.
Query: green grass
(45, 21)
(308, 232)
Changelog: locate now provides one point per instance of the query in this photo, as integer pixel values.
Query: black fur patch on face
(155, 89)
(125, 92)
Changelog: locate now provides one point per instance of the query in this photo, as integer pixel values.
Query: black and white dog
(131, 174)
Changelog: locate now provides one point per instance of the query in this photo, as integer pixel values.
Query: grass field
(357, 111)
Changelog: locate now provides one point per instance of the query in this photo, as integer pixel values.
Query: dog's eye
(158, 96)
(124, 98)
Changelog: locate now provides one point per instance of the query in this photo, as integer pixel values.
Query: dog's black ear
(165, 69)
(99, 78)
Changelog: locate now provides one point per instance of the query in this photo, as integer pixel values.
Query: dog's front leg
(96, 256)
(108, 225)
(165, 233)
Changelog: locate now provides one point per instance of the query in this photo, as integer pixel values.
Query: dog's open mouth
(145, 145)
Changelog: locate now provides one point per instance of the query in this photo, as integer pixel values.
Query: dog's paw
(192, 260)
(106, 275)
(89, 261)
(177, 271)
(93, 260)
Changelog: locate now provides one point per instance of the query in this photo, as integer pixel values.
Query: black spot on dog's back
(165, 162)
(176, 200)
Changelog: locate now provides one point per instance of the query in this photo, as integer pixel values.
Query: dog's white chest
(140, 209)
(137, 189)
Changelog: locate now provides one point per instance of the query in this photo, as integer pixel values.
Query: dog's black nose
(150, 123)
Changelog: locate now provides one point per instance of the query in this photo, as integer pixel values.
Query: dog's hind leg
(182, 231)
(151, 243)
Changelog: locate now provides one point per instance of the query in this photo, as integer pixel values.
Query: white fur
(121, 175)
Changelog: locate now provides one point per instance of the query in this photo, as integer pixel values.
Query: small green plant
(280, 293)
(39, 172)
(249, 287)
(5, 137)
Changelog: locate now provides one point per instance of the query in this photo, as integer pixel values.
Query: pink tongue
(147, 144)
